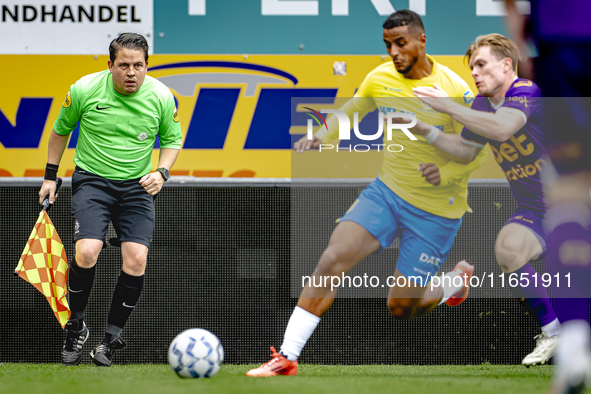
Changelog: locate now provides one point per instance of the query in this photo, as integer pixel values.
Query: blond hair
(500, 46)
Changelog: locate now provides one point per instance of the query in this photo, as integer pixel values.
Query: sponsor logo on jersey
(520, 99)
(525, 171)
(468, 97)
(393, 89)
(425, 258)
(513, 148)
(516, 150)
(385, 110)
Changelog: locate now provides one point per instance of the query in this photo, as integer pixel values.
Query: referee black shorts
(96, 201)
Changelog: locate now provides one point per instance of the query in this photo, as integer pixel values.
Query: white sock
(449, 287)
(299, 329)
(552, 328)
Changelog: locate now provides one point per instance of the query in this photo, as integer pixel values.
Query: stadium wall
(234, 101)
(235, 111)
(239, 27)
(222, 258)
(315, 26)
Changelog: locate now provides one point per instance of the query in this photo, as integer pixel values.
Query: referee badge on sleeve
(67, 101)
(175, 115)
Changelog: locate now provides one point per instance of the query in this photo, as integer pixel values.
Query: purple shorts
(533, 222)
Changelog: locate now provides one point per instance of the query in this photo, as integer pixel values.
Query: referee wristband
(51, 172)
(432, 135)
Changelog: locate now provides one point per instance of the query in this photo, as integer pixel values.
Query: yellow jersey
(387, 87)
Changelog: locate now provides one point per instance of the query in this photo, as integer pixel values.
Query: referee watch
(164, 172)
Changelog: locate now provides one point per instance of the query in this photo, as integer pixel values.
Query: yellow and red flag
(44, 265)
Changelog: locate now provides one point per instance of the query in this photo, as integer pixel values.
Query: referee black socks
(127, 292)
(80, 284)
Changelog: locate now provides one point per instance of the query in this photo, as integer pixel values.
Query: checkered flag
(44, 265)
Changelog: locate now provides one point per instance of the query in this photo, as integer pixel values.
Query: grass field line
(341, 379)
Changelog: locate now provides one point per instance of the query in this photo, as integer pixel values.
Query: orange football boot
(279, 365)
(465, 270)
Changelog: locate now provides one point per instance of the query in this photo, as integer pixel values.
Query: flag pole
(45, 207)
(44, 263)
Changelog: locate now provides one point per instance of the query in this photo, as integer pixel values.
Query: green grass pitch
(399, 379)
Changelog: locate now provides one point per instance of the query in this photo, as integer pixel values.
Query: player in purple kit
(507, 115)
(562, 33)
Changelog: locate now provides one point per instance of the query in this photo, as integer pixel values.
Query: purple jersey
(520, 156)
(554, 20)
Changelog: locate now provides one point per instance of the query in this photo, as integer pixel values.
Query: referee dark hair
(120, 112)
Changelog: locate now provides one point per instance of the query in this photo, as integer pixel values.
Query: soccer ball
(196, 353)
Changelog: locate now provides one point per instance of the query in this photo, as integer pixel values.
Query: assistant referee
(120, 112)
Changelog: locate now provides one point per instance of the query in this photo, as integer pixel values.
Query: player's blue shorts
(533, 222)
(425, 239)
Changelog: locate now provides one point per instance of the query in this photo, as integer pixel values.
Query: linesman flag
(44, 265)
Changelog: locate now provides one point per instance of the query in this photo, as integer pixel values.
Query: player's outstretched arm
(499, 126)
(55, 150)
(447, 142)
(453, 144)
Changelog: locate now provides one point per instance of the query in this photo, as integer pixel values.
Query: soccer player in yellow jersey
(424, 207)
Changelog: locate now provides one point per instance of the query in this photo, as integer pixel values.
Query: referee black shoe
(103, 353)
(75, 338)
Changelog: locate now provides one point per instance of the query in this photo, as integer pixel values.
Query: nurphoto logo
(345, 130)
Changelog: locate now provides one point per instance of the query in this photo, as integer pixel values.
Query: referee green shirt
(118, 132)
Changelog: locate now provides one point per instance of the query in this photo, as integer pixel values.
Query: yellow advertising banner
(235, 111)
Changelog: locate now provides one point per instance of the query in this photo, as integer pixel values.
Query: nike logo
(99, 108)
(128, 306)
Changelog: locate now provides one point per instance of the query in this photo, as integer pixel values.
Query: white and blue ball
(196, 353)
